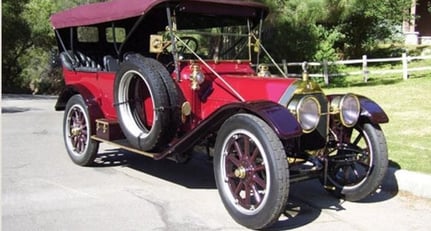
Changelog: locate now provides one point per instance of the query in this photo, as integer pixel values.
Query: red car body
(158, 77)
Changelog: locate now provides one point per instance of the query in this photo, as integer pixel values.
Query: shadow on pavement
(306, 199)
(27, 97)
(6, 110)
(197, 173)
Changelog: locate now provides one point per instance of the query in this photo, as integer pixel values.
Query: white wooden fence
(404, 59)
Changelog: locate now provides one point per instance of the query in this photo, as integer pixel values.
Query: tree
(16, 40)
(37, 70)
(350, 27)
(27, 42)
(368, 23)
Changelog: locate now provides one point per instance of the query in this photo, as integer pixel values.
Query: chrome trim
(299, 116)
(299, 87)
(288, 94)
(336, 105)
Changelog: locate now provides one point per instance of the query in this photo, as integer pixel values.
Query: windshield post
(173, 41)
(259, 40)
(71, 40)
(132, 31)
(250, 44)
(114, 37)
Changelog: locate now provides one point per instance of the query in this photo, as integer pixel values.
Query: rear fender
(370, 110)
(91, 102)
(71, 90)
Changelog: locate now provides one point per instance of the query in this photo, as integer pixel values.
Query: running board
(124, 144)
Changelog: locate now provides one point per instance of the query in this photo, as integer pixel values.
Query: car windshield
(218, 43)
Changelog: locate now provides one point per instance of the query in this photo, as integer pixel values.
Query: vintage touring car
(160, 77)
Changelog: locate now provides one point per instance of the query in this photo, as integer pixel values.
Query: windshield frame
(175, 28)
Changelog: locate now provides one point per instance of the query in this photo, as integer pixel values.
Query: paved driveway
(43, 190)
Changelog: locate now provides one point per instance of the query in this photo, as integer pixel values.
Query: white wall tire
(251, 171)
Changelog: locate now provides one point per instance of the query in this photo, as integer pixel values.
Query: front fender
(275, 115)
(370, 110)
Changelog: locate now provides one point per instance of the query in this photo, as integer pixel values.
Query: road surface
(43, 190)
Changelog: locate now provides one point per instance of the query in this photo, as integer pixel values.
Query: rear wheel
(360, 162)
(251, 171)
(77, 130)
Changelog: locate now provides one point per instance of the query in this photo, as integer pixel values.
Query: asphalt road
(43, 190)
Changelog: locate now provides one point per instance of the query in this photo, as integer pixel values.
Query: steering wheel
(166, 57)
(190, 42)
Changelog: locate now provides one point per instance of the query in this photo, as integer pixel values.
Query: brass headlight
(307, 110)
(348, 109)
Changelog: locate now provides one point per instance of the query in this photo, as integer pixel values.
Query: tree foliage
(328, 29)
(28, 40)
(15, 42)
(296, 30)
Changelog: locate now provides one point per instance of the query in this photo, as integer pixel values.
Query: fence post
(365, 68)
(285, 66)
(405, 66)
(325, 72)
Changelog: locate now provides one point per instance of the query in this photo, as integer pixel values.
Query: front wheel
(359, 164)
(77, 130)
(251, 171)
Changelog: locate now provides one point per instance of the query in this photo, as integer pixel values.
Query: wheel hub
(76, 131)
(240, 172)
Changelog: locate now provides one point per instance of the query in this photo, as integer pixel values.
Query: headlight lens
(349, 109)
(308, 113)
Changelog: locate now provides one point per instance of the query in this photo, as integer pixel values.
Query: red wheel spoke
(231, 175)
(75, 140)
(238, 149)
(75, 114)
(247, 199)
(79, 144)
(246, 146)
(234, 160)
(78, 116)
(75, 120)
(258, 180)
(238, 190)
(259, 168)
(254, 154)
(256, 194)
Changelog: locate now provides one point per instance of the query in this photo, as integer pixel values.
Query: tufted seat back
(78, 61)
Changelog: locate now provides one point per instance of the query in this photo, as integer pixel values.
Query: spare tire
(143, 103)
(176, 98)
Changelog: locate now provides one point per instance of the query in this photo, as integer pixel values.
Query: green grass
(408, 105)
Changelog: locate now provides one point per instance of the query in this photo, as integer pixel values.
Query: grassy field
(408, 105)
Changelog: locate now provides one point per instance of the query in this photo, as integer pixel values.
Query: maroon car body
(160, 77)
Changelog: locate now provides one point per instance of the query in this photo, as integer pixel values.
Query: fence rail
(404, 59)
